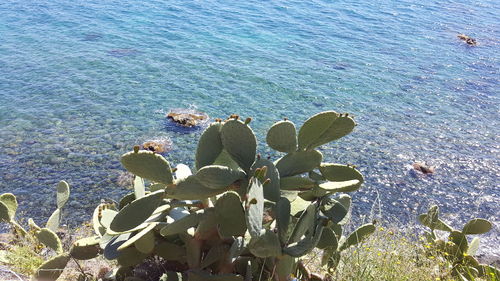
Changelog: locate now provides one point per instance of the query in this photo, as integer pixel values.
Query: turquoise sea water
(81, 82)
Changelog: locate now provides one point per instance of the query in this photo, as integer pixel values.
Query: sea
(82, 82)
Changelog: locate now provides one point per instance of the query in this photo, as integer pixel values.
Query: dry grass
(387, 255)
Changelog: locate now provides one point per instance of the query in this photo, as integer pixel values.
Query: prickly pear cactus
(237, 216)
(458, 251)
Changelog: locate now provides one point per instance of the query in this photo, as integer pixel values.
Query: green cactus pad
(306, 244)
(477, 226)
(284, 267)
(217, 177)
(49, 239)
(283, 209)
(267, 244)
(357, 236)
(338, 172)
(4, 213)
(170, 251)
(240, 142)
(148, 165)
(336, 208)
(236, 249)
(198, 275)
(182, 171)
(298, 205)
(254, 207)
(208, 225)
(33, 226)
(271, 189)
(130, 257)
(340, 186)
(459, 239)
(473, 246)
(138, 236)
(127, 199)
(230, 215)
(86, 248)
(282, 136)
(214, 254)
(439, 224)
(191, 188)
(107, 216)
(181, 225)
(62, 194)
(328, 239)
(10, 201)
(299, 162)
(53, 268)
(209, 146)
(53, 221)
(296, 183)
(305, 223)
(135, 213)
(322, 128)
(139, 188)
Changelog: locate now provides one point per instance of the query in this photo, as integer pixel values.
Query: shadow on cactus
(238, 216)
(458, 251)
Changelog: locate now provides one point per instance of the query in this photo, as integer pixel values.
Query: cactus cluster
(238, 216)
(83, 249)
(458, 250)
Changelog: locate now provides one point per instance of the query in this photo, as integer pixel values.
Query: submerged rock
(158, 145)
(187, 117)
(422, 167)
(469, 40)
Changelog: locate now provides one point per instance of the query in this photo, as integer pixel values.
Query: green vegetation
(240, 216)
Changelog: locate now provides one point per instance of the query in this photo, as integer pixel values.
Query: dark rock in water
(158, 145)
(469, 40)
(188, 118)
(422, 167)
(92, 37)
(123, 52)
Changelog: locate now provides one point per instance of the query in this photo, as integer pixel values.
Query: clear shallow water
(82, 82)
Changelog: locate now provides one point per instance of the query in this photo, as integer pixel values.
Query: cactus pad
(230, 215)
(49, 239)
(86, 248)
(209, 146)
(240, 142)
(62, 194)
(357, 236)
(272, 188)
(337, 172)
(477, 226)
(298, 162)
(216, 176)
(191, 188)
(135, 213)
(282, 136)
(53, 268)
(148, 165)
(322, 128)
(254, 207)
(10, 201)
(265, 245)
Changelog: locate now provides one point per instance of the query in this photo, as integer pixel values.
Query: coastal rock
(469, 40)
(158, 145)
(422, 167)
(187, 118)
